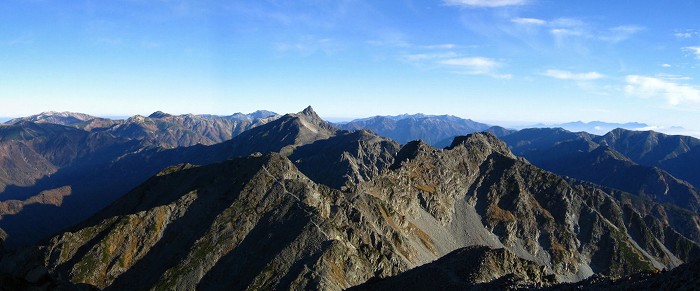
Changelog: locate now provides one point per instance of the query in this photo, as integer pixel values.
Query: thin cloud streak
(695, 50)
(476, 66)
(528, 21)
(486, 3)
(566, 75)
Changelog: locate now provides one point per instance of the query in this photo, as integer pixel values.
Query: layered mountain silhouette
(296, 203)
(621, 159)
(595, 127)
(437, 130)
(58, 168)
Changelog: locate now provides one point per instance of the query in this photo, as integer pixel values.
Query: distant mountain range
(595, 127)
(438, 130)
(295, 202)
(70, 157)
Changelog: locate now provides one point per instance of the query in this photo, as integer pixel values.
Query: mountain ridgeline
(58, 168)
(297, 203)
(432, 129)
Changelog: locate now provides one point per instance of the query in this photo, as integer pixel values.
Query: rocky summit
(299, 204)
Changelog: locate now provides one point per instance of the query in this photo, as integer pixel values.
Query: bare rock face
(468, 268)
(260, 223)
(255, 219)
(347, 159)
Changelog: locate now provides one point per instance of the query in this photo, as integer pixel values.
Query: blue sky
(494, 61)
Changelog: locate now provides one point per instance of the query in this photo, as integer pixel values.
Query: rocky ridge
(308, 236)
(360, 156)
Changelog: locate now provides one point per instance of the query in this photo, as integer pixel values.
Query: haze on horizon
(501, 60)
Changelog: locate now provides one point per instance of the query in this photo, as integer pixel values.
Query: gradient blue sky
(491, 61)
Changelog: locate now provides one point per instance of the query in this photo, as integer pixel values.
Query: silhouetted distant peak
(159, 114)
(62, 118)
(262, 114)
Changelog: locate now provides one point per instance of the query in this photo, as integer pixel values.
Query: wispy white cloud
(666, 65)
(567, 22)
(419, 57)
(564, 32)
(566, 29)
(686, 34)
(695, 50)
(528, 21)
(671, 77)
(440, 46)
(486, 3)
(476, 66)
(24, 39)
(673, 93)
(620, 33)
(566, 75)
(671, 130)
(309, 45)
(442, 56)
(398, 43)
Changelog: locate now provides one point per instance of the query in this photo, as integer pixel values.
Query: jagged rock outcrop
(469, 268)
(347, 159)
(24, 270)
(255, 219)
(296, 203)
(258, 222)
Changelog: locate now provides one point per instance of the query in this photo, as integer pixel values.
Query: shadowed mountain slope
(679, 155)
(469, 268)
(592, 158)
(258, 222)
(358, 156)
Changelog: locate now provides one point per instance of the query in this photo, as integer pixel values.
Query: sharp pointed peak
(309, 114)
(309, 111)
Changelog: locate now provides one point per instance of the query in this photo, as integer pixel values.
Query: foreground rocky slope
(259, 222)
(468, 268)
